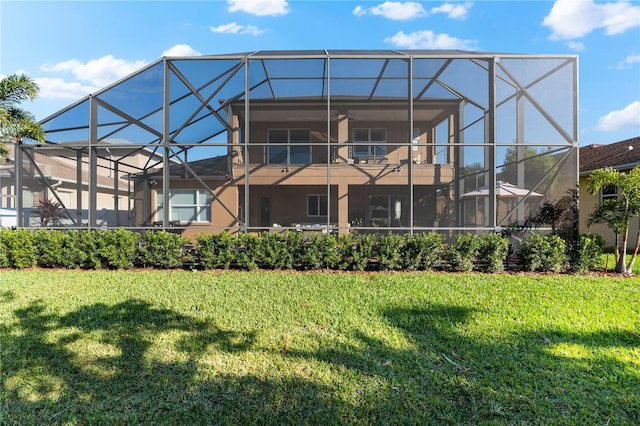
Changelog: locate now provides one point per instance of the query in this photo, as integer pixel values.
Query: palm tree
(15, 122)
(617, 213)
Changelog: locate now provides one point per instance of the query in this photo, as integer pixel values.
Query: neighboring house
(322, 141)
(622, 156)
(59, 173)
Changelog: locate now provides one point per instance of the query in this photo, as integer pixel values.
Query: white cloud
(455, 11)
(57, 88)
(570, 19)
(259, 7)
(181, 50)
(627, 117)
(99, 72)
(576, 45)
(633, 59)
(397, 11)
(429, 40)
(235, 28)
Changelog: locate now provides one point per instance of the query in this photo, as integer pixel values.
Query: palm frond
(17, 88)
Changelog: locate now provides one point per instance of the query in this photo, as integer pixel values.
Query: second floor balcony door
(289, 146)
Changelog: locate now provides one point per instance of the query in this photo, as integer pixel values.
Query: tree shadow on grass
(441, 374)
(451, 377)
(117, 378)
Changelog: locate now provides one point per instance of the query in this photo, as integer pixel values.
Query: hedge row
(122, 249)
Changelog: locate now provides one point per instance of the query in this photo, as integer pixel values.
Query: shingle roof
(624, 154)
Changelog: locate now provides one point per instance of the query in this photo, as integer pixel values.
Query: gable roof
(620, 155)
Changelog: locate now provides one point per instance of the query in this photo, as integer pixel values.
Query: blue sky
(74, 48)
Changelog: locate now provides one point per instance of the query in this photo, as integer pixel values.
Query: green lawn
(336, 348)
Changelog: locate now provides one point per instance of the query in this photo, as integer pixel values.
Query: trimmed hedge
(122, 249)
(546, 253)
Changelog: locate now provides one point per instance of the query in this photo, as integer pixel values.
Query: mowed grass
(154, 347)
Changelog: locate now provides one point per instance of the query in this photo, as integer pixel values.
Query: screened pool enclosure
(311, 141)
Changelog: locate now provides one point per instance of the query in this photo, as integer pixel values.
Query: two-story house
(325, 141)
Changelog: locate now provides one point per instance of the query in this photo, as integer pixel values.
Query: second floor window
(289, 146)
(369, 143)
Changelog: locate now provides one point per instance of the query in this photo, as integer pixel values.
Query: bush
(422, 251)
(462, 252)
(216, 251)
(319, 251)
(88, 242)
(4, 251)
(390, 252)
(19, 250)
(273, 251)
(162, 249)
(118, 249)
(247, 251)
(587, 255)
(543, 253)
(492, 252)
(59, 249)
(355, 251)
(49, 247)
(74, 254)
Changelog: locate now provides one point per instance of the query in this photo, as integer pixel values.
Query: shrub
(216, 251)
(587, 256)
(319, 251)
(48, 245)
(162, 249)
(422, 251)
(543, 253)
(104, 248)
(88, 242)
(390, 252)
(272, 251)
(73, 252)
(355, 251)
(461, 253)
(4, 251)
(116, 249)
(59, 249)
(492, 252)
(247, 251)
(19, 248)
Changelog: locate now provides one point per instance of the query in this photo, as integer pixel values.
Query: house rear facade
(321, 141)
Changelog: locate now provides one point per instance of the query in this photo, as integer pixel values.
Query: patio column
(343, 207)
(343, 137)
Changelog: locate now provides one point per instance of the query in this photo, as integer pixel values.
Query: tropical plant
(50, 212)
(15, 122)
(617, 213)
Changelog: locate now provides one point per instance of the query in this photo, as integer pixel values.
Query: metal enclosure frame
(131, 154)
